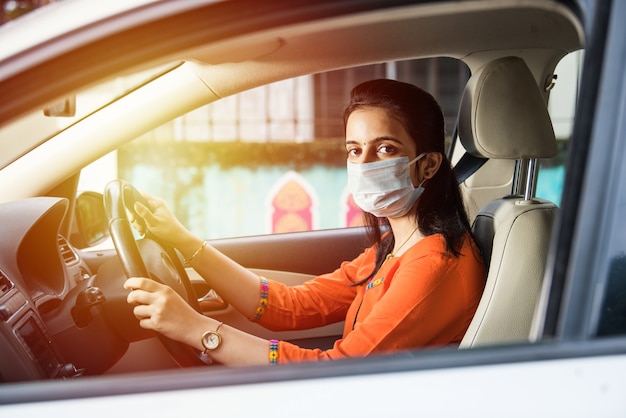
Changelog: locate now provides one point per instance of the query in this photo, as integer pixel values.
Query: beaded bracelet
(188, 260)
(273, 353)
(263, 301)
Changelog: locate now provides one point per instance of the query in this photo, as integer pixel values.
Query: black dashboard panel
(32, 275)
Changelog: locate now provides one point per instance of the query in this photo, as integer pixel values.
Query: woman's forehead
(375, 124)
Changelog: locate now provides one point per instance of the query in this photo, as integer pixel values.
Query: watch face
(211, 340)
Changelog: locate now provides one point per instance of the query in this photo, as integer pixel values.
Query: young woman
(418, 284)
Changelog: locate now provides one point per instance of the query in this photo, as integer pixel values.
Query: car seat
(503, 115)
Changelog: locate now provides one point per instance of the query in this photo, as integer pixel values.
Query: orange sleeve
(320, 301)
(428, 300)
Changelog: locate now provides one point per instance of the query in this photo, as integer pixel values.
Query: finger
(148, 323)
(139, 283)
(146, 213)
(139, 227)
(141, 209)
(142, 312)
(143, 212)
(147, 318)
(152, 201)
(136, 221)
(132, 283)
(139, 297)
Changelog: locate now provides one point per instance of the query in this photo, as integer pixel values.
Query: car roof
(268, 42)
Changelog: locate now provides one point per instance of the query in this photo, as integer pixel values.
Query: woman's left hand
(161, 309)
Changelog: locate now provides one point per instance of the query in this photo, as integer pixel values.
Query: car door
(575, 368)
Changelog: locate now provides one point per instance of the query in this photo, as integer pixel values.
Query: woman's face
(373, 135)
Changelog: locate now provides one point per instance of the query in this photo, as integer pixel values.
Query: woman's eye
(353, 152)
(386, 149)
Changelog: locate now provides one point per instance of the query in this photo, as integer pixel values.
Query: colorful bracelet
(188, 260)
(273, 353)
(265, 287)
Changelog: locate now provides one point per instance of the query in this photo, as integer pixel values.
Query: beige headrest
(503, 114)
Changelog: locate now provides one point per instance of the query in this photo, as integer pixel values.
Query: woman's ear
(430, 165)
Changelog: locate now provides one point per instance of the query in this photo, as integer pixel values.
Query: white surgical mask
(384, 188)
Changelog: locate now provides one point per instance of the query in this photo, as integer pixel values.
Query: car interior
(67, 315)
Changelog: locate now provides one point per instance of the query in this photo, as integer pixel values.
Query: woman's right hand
(161, 222)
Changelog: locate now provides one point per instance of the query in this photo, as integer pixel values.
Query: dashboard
(53, 321)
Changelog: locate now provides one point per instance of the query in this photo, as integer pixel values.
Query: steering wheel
(148, 257)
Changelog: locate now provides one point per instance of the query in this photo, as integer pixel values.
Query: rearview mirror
(90, 219)
(65, 108)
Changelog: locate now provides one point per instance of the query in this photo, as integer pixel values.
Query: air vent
(66, 251)
(5, 283)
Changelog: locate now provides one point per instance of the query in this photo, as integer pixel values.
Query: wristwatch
(211, 339)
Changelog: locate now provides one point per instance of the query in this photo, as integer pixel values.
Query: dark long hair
(440, 209)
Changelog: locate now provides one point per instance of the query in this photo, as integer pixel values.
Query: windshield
(33, 129)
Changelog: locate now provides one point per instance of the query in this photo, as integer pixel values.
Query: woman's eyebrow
(374, 141)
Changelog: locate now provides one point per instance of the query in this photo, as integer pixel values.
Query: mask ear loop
(417, 158)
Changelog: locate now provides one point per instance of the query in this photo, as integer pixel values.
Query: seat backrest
(514, 237)
(503, 115)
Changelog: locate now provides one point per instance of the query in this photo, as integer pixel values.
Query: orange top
(421, 298)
